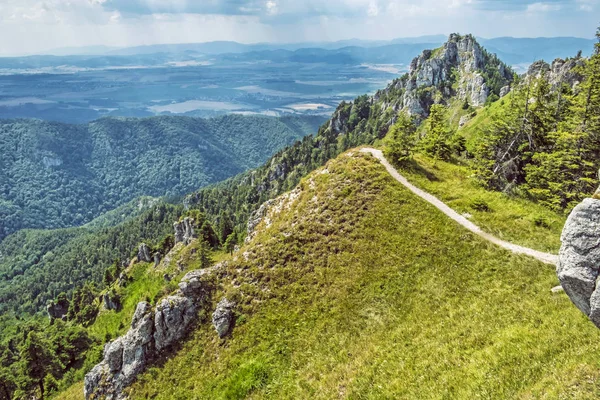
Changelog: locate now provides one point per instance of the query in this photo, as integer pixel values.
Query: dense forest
(56, 175)
(540, 142)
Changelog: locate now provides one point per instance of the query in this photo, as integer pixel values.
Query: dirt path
(443, 207)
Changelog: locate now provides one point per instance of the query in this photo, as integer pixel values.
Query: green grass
(510, 218)
(360, 290)
(473, 129)
(145, 285)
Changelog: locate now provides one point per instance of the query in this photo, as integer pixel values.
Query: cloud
(36, 25)
(519, 5)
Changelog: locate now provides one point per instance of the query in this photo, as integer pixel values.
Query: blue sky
(30, 26)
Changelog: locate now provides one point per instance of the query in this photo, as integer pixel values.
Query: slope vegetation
(56, 175)
(353, 287)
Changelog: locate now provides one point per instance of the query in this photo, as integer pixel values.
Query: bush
(480, 205)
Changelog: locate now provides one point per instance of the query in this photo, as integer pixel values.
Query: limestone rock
(558, 73)
(156, 259)
(504, 91)
(151, 332)
(579, 259)
(222, 318)
(144, 253)
(436, 76)
(172, 320)
(256, 218)
(184, 231)
(196, 283)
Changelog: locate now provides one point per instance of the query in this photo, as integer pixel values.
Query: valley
(404, 249)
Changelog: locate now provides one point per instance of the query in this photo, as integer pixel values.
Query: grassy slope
(510, 218)
(361, 290)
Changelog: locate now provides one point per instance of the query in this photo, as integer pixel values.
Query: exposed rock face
(144, 253)
(184, 231)
(256, 217)
(222, 318)
(579, 258)
(435, 76)
(151, 332)
(156, 259)
(504, 91)
(559, 72)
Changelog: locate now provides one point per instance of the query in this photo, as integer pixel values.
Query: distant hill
(58, 175)
(513, 51)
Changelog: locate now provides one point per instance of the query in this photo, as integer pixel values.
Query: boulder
(579, 258)
(196, 283)
(156, 259)
(504, 91)
(172, 320)
(143, 253)
(222, 318)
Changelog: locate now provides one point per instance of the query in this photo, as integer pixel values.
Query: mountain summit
(461, 68)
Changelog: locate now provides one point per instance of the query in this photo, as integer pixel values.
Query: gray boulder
(173, 317)
(505, 90)
(222, 318)
(195, 283)
(579, 258)
(143, 253)
(156, 259)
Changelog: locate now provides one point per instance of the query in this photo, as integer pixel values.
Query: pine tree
(230, 243)
(37, 361)
(436, 141)
(400, 140)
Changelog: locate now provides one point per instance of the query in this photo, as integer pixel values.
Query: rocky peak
(558, 73)
(459, 68)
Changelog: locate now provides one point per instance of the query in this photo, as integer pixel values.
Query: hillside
(57, 175)
(353, 287)
(349, 277)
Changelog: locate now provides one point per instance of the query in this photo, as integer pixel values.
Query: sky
(35, 26)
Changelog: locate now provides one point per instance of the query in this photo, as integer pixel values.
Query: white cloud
(543, 7)
(45, 24)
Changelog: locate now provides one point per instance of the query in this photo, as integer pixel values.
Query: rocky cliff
(461, 67)
(559, 72)
(152, 331)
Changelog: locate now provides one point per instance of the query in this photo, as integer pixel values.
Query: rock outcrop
(184, 231)
(579, 259)
(256, 218)
(143, 253)
(223, 317)
(559, 72)
(156, 259)
(151, 332)
(455, 69)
